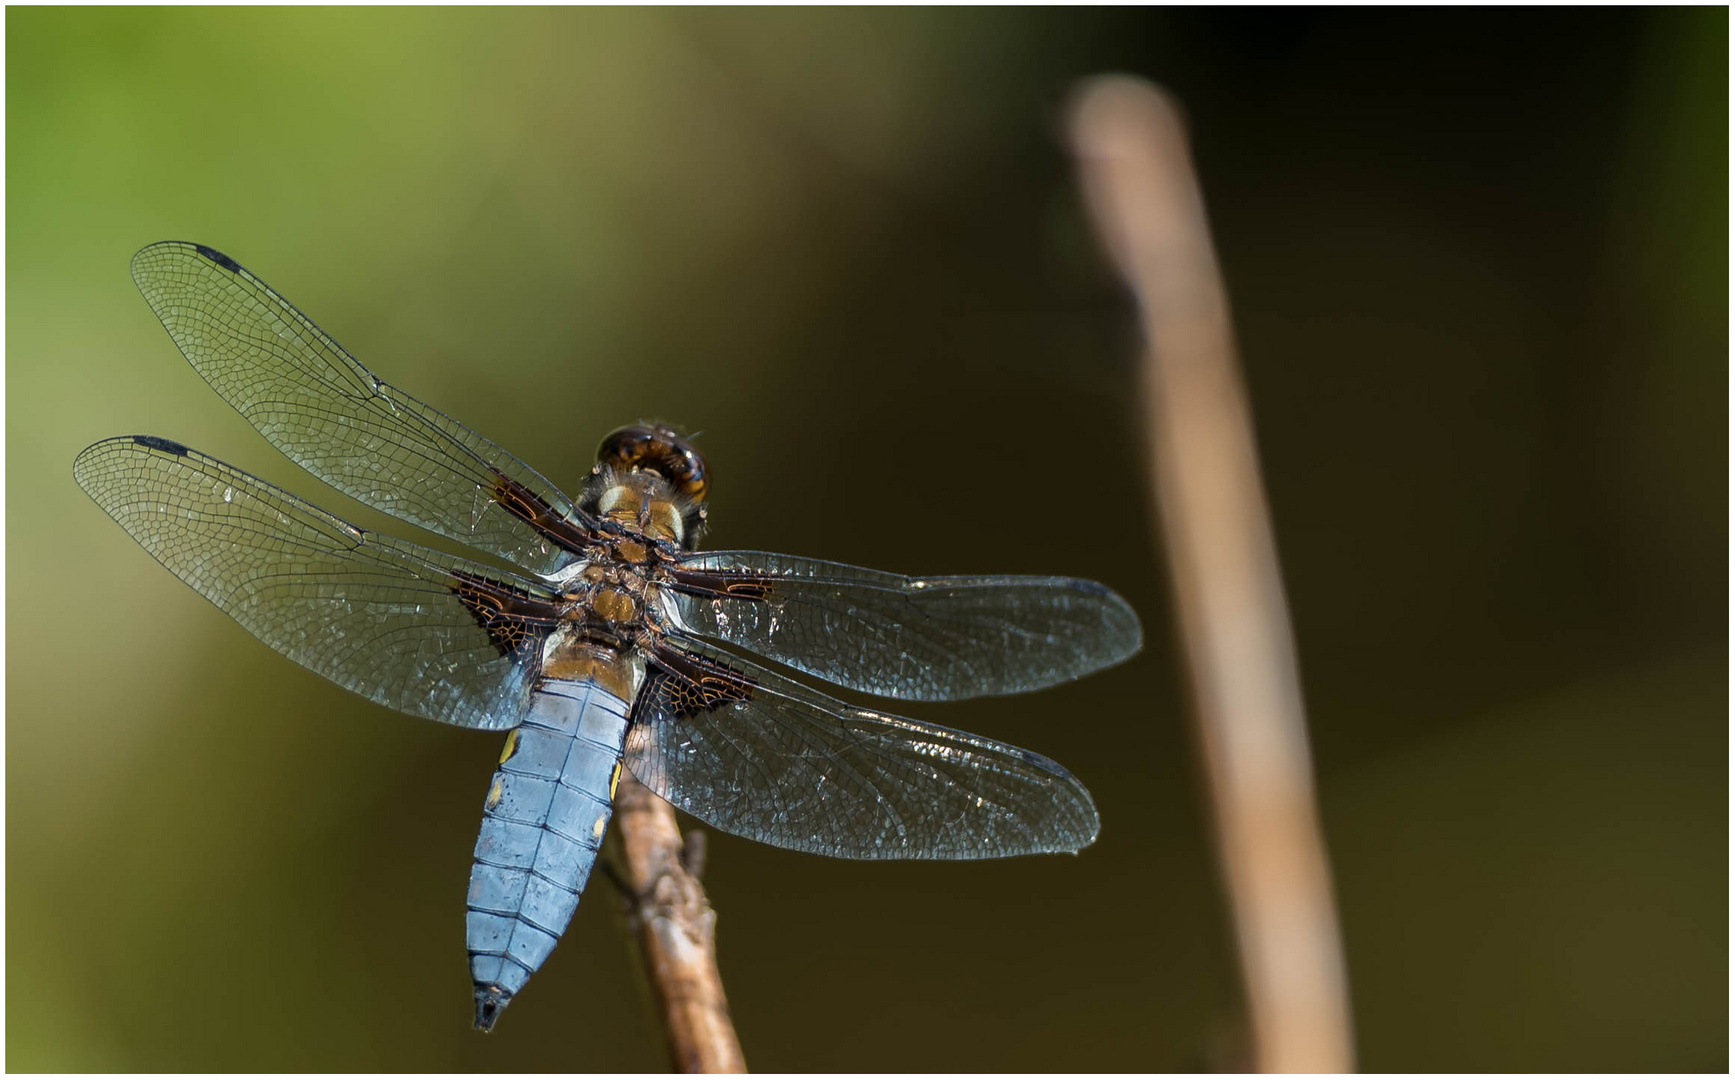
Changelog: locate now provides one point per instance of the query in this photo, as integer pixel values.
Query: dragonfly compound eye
(660, 450)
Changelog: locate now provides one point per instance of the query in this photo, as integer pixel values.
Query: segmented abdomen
(545, 816)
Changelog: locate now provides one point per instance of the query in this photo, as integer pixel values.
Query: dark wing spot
(515, 621)
(219, 258)
(167, 446)
(1048, 765)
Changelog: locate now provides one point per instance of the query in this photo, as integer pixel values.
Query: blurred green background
(1479, 266)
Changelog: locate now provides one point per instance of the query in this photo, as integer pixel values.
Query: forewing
(756, 755)
(411, 628)
(919, 639)
(330, 415)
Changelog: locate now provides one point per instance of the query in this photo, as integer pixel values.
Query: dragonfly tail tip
(491, 1001)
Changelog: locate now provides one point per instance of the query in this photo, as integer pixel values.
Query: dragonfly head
(650, 478)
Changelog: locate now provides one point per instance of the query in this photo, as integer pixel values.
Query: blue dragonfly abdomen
(547, 810)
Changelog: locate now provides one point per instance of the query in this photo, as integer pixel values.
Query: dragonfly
(596, 635)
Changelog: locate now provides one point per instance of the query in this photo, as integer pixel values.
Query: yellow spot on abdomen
(495, 792)
(511, 747)
(614, 783)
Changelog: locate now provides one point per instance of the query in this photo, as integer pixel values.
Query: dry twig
(676, 929)
(1139, 180)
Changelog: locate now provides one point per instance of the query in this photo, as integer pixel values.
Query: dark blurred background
(1478, 260)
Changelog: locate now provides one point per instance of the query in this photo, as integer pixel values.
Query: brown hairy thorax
(646, 492)
(650, 484)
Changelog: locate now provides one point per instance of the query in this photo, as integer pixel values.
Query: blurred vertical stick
(1139, 182)
(677, 935)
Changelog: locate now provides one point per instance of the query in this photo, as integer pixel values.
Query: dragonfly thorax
(644, 502)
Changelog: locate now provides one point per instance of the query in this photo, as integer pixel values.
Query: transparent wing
(918, 639)
(331, 416)
(411, 628)
(753, 754)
